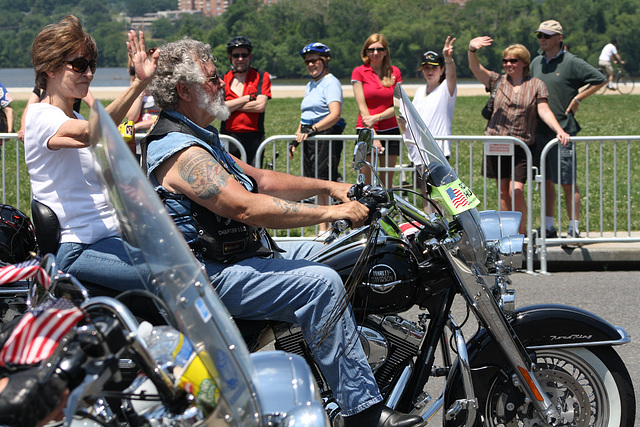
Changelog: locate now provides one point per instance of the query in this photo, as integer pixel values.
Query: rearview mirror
(363, 148)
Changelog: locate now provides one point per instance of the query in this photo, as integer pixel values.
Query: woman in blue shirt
(321, 109)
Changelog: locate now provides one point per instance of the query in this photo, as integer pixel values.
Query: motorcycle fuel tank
(386, 271)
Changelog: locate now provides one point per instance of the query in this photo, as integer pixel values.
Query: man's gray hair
(179, 62)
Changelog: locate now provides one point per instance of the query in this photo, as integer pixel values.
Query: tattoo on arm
(204, 175)
(288, 206)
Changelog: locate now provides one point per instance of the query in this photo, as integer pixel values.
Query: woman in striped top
(519, 100)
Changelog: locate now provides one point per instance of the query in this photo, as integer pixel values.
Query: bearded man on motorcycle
(222, 205)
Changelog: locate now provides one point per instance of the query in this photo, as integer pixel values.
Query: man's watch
(253, 97)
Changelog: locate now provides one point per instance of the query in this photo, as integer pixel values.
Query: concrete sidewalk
(623, 253)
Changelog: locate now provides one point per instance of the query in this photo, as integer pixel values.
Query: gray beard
(214, 106)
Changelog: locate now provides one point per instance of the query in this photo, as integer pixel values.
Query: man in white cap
(564, 74)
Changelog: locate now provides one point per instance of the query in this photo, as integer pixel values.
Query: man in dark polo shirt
(564, 74)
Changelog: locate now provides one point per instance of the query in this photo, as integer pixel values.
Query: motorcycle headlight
(503, 242)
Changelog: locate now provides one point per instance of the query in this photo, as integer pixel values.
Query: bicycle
(622, 81)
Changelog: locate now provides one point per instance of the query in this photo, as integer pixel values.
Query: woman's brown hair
(55, 43)
(387, 76)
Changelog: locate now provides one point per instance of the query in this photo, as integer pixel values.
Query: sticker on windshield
(202, 309)
(457, 197)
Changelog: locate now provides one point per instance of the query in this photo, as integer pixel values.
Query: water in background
(25, 77)
(108, 77)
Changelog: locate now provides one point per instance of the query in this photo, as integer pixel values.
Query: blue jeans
(290, 289)
(108, 263)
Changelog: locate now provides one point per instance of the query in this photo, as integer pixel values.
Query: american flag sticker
(457, 197)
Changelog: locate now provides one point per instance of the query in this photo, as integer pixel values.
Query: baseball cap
(550, 27)
(431, 58)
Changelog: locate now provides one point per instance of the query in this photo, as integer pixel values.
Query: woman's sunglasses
(510, 61)
(80, 65)
(376, 49)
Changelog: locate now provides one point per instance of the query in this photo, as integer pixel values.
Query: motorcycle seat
(47, 227)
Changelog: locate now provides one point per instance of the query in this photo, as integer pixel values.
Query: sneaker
(573, 234)
(551, 234)
(611, 88)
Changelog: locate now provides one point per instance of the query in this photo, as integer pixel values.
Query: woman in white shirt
(60, 162)
(436, 100)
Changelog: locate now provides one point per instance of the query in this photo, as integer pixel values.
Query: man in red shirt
(247, 91)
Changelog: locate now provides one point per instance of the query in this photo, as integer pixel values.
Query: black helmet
(17, 237)
(239, 41)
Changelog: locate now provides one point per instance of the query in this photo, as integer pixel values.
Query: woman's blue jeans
(108, 262)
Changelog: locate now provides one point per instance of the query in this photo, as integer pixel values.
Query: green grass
(609, 115)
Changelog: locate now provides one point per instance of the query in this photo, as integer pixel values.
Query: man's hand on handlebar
(354, 212)
(339, 191)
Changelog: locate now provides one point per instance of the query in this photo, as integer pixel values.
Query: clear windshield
(160, 251)
(440, 180)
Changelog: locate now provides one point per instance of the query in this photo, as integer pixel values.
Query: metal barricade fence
(610, 157)
(275, 146)
(610, 219)
(12, 168)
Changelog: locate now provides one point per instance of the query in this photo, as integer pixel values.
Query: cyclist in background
(608, 55)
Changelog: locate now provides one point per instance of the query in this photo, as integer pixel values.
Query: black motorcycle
(533, 366)
(195, 371)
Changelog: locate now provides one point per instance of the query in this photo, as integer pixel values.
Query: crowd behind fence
(606, 169)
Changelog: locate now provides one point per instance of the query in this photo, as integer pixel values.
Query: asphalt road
(613, 295)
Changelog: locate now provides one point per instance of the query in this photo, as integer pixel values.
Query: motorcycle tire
(589, 387)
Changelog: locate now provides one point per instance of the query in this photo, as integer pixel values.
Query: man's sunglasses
(80, 65)
(239, 55)
(213, 78)
(546, 36)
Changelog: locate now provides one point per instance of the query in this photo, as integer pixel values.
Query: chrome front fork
(484, 305)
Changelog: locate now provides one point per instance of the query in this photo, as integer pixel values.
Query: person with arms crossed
(222, 204)
(247, 91)
(564, 74)
(608, 55)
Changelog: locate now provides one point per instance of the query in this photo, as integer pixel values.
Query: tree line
(280, 30)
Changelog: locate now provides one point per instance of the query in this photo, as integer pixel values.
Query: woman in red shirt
(373, 86)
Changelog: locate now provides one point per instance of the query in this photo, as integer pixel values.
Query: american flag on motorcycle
(36, 336)
(24, 270)
(457, 197)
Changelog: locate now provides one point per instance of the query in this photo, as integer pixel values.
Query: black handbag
(487, 110)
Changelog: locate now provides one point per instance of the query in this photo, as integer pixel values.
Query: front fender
(537, 327)
(554, 325)
(548, 326)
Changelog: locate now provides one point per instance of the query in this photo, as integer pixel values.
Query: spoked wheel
(588, 387)
(625, 84)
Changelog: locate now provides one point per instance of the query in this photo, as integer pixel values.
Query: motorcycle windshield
(161, 253)
(440, 180)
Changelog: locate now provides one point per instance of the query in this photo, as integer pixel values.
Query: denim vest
(208, 234)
